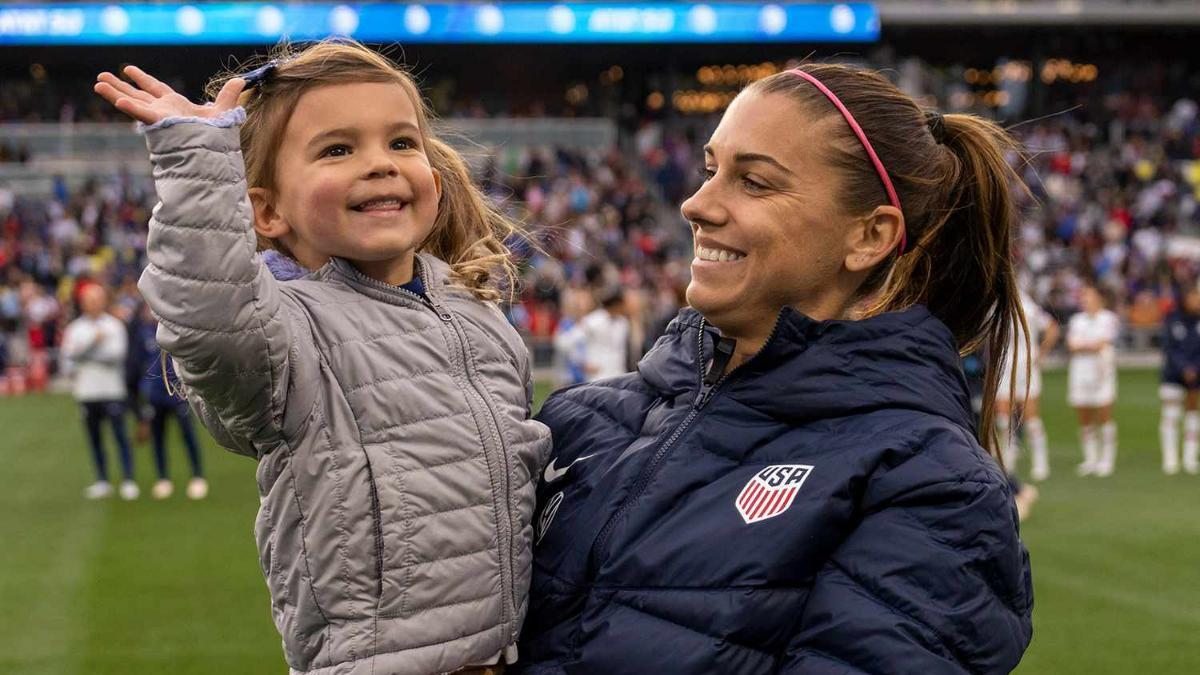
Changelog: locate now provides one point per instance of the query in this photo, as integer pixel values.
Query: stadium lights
(690, 101)
(1012, 71)
(577, 94)
(612, 75)
(732, 76)
(1054, 70)
(963, 100)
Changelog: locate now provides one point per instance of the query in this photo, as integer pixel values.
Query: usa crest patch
(771, 491)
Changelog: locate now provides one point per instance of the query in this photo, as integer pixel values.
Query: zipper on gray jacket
(504, 518)
(442, 313)
(418, 271)
(502, 453)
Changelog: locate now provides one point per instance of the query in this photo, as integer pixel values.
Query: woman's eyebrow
(749, 157)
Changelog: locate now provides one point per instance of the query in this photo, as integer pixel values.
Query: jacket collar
(434, 274)
(821, 369)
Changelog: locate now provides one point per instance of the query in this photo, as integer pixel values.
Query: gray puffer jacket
(397, 459)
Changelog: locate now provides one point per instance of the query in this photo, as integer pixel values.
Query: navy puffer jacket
(825, 508)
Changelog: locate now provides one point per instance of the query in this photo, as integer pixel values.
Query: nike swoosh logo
(552, 474)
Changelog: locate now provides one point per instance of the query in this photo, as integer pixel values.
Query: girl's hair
(955, 186)
(470, 233)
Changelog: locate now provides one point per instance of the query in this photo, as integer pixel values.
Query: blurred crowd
(1114, 203)
(603, 233)
(1112, 200)
(52, 249)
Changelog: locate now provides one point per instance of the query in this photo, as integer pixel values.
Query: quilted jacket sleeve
(933, 580)
(221, 314)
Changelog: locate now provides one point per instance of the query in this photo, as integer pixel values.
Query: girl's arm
(221, 314)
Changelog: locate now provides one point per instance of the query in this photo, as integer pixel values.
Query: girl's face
(352, 180)
(1092, 302)
(766, 225)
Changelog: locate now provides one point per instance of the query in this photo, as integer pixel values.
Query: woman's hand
(152, 101)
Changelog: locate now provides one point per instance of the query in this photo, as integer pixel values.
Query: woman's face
(1092, 302)
(766, 225)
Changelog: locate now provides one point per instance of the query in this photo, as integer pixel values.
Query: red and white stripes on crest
(758, 500)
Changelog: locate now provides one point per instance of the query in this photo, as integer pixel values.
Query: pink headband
(862, 137)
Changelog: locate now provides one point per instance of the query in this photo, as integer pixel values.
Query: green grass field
(174, 586)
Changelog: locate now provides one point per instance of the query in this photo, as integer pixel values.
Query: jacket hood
(811, 370)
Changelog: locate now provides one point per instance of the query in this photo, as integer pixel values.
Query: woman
(1180, 388)
(787, 486)
(1021, 381)
(1092, 382)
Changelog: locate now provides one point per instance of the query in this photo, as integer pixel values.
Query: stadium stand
(1112, 170)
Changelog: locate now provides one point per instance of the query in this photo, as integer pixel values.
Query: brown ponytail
(961, 269)
(956, 189)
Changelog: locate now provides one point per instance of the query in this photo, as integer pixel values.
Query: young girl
(1092, 381)
(384, 395)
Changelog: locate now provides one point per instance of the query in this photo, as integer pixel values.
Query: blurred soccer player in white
(1180, 386)
(570, 352)
(606, 338)
(1092, 381)
(1043, 334)
(93, 350)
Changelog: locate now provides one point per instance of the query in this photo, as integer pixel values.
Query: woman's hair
(955, 186)
(470, 233)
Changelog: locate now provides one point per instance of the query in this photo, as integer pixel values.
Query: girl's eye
(404, 144)
(706, 173)
(335, 151)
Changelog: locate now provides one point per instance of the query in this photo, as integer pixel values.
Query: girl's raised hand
(152, 101)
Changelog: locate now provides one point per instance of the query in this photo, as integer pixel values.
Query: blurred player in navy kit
(1180, 382)
(159, 406)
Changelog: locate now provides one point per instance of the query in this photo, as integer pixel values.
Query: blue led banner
(517, 22)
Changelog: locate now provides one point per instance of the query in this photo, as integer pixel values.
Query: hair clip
(256, 77)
